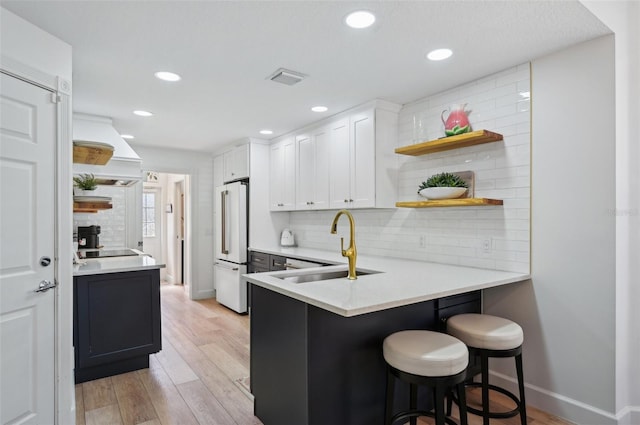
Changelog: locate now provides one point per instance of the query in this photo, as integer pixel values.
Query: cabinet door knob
(350, 200)
(346, 200)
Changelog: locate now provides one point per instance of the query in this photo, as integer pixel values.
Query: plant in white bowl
(84, 184)
(443, 186)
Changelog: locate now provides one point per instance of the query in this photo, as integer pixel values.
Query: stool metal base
(486, 414)
(441, 386)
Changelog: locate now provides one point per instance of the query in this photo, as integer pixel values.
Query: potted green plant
(443, 186)
(84, 184)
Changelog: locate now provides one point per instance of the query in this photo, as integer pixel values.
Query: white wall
(38, 56)
(624, 19)
(199, 251)
(497, 103)
(568, 311)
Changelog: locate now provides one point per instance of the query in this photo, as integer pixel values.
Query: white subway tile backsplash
(452, 235)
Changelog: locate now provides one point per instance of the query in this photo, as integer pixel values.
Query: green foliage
(86, 182)
(443, 180)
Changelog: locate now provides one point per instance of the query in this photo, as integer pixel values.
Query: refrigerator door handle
(223, 195)
(224, 266)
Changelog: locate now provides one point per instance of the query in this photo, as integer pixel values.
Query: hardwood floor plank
(165, 397)
(98, 393)
(222, 355)
(175, 366)
(203, 404)
(79, 406)
(106, 415)
(133, 399)
(223, 389)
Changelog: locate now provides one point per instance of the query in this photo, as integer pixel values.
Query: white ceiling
(225, 50)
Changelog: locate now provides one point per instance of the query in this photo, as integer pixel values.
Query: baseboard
(562, 406)
(630, 415)
(204, 294)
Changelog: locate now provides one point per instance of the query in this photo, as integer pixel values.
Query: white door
(321, 144)
(363, 161)
(27, 188)
(339, 178)
(305, 175)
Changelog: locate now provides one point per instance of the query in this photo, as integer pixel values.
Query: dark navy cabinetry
(116, 322)
(311, 366)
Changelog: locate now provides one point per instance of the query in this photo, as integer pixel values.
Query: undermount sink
(314, 276)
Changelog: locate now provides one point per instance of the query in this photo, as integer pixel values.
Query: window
(149, 214)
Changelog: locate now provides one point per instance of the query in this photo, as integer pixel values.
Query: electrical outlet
(486, 244)
(423, 241)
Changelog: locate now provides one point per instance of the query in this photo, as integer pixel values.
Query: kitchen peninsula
(116, 317)
(316, 355)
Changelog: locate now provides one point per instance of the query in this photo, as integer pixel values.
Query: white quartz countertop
(116, 265)
(400, 282)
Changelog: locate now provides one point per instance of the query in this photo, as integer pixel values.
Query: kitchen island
(316, 347)
(116, 320)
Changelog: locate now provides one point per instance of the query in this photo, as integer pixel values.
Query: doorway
(165, 215)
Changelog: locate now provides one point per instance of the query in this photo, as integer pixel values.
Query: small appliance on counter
(287, 238)
(88, 237)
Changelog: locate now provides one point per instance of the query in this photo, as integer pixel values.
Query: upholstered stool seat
(490, 336)
(419, 357)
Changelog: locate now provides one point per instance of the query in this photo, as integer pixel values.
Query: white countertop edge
(319, 293)
(115, 265)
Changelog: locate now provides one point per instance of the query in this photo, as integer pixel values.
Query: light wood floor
(199, 377)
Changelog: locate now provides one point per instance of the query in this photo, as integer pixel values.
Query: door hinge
(55, 97)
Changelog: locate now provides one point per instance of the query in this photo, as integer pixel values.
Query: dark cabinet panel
(311, 366)
(116, 322)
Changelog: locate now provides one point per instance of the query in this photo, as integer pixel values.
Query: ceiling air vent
(286, 76)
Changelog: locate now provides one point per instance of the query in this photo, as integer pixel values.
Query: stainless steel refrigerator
(231, 245)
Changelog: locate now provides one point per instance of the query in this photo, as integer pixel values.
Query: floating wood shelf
(94, 155)
(452, 142)
(90, 207)
(460, 202)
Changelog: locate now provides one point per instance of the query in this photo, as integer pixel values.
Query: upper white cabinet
(346, 161)
(282, 173)
(236, 163)
(312, 169)
(363, 168)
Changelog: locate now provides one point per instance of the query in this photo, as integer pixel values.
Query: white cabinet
(236, 163)
(312, 169)
(364, 172)
(282, 161)
(353, 153)
(347, 161)
(340, 154)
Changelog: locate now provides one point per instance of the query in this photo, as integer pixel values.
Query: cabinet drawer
(252, 268)
(277, 262)
(259, 259)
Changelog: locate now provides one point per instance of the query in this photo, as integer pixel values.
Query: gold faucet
(350, 252)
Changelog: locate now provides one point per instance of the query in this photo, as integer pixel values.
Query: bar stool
(433, 359)
(490, 336)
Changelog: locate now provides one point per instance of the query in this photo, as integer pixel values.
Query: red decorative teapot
(457, 121)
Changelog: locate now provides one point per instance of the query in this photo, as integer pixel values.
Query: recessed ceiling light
(360, 19)
(167, 76)
(143, 113)
(127, 136)
(266, 132)
(439, 54)
(319, 109)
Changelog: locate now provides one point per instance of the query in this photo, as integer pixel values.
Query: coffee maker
(88, 237)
